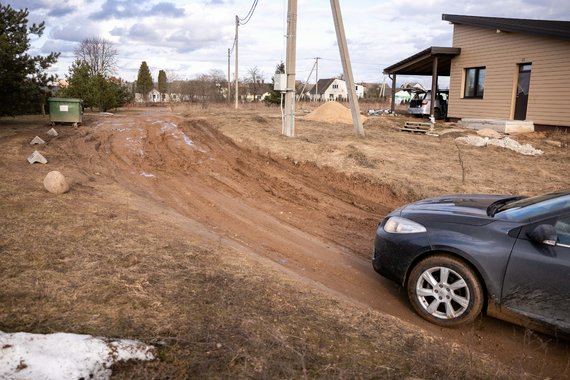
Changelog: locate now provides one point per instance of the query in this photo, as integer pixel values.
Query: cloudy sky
(190, 37)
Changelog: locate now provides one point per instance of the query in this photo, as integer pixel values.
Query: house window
(335, 86)
(474, 82)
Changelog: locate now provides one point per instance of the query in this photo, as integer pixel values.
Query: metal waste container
(65, 110)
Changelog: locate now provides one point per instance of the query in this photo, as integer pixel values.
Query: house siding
(500, 54)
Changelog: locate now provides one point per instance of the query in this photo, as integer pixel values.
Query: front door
(523, 86)
(536, 282)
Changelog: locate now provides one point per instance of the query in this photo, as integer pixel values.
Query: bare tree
(255, 80)
(99, 54)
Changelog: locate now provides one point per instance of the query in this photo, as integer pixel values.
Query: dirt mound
(332, 112)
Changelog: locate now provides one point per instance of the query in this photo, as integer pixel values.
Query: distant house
(509, 72)
(333, 89)
(154, 96)
(258, 92)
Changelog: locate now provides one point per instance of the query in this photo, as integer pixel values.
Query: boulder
(55, 183)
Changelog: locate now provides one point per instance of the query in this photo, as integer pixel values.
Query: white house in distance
(154, 96)
(333, 89)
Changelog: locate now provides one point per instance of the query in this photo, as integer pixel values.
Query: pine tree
(144, 80)
(22, 77)
(162, 84)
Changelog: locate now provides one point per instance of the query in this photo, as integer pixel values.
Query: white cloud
(192, 36)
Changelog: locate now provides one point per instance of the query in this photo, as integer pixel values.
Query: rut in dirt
(195, 169)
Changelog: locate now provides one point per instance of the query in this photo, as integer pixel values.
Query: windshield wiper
(497, 205)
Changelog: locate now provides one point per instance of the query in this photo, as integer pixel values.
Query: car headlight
(398, 225)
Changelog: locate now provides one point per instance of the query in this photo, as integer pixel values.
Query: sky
(187, 38)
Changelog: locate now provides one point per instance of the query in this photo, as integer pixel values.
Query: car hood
(467, 208)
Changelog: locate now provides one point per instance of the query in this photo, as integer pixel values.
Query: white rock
(55, 183)
(37, 157)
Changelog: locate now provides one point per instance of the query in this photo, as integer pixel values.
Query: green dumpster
(65, 110)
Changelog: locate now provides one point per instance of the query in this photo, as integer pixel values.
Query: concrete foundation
(502, 126)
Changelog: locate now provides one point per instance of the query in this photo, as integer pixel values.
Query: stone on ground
(52, 132)
(56, 183)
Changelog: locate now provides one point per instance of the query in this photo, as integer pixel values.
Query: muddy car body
(460, 255)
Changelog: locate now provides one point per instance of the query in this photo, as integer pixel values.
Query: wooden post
(229, 78)
(433, 89)
(393, 100)
(347, 68)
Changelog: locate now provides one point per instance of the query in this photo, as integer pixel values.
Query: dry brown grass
(412, 165)
(84, 263)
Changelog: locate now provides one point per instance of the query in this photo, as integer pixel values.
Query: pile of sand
(332, 112)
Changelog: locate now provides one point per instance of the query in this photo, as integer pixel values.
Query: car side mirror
(544, 234)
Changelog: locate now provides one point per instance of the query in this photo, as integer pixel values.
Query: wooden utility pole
(237, 76)
(347, 68)
(317, 77)
(289, 112)
(229, 78)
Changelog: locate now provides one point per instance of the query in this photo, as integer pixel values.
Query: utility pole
(229, 78)
(317, 77)
(347, 68)
(237, 80)
(307, 81)
(289, 124)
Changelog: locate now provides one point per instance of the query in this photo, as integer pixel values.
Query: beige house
(501, 70)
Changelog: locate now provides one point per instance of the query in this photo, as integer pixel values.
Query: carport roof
(422, 63)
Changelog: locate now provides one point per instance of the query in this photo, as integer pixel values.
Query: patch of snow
(167, 127)
(65, 356)
(187, 140)
(506, 142)
(147, 175)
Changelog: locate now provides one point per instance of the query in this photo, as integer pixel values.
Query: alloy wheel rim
(443, 293)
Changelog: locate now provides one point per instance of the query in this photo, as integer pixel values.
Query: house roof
(545, 28)
(422, 63)
(323, 85)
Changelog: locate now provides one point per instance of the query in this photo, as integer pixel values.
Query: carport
(434, 61)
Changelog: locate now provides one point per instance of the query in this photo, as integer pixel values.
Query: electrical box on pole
(280, 82)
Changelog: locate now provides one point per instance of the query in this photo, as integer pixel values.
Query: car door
(537, 279)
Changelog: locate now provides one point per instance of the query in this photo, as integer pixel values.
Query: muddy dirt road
(314, 222)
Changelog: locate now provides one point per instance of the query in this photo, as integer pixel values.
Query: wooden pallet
(416, 127)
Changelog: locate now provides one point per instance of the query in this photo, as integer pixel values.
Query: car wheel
(445, 291)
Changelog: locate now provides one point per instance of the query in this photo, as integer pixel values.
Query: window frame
(476, 82)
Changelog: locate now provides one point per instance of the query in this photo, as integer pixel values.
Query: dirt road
(314, 222)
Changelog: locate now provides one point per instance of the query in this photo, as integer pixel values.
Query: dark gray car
(460, 255)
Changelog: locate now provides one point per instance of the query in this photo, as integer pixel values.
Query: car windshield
(530, 208)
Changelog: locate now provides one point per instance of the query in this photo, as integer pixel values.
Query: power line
(245, 20)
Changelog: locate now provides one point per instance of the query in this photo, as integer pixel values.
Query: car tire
(445, 291)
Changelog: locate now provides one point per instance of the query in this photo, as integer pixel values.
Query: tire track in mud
(314, 221)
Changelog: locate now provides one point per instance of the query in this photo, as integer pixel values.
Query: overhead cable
(245, 20)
